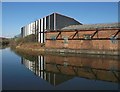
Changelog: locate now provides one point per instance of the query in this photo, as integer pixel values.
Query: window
(53, 37)
(65, 39)
(87, 36)
(113, 39)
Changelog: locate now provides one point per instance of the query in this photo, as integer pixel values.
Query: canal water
(59, 72)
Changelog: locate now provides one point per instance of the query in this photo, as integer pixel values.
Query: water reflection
(58, 69)
(3, 47)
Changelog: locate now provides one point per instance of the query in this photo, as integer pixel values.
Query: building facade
(85, 37)
(53, 22)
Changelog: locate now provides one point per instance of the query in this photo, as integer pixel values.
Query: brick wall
(64, 40)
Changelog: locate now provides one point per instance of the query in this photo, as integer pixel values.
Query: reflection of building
(58, 69)
(37, 66)
(28, 64)
(40, 69)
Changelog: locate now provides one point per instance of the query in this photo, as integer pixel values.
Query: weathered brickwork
(84, 39)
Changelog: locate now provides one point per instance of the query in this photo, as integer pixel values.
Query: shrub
(29, 38)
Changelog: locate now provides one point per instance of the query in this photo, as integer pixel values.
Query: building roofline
(93, 26)
(52, 14)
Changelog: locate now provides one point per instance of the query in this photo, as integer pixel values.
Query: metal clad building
(54, 21)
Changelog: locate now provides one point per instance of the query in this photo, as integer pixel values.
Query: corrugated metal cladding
(54, 21)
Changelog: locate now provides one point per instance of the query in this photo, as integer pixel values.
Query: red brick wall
(83, 44)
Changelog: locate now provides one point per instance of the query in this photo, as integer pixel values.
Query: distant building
(53, 22)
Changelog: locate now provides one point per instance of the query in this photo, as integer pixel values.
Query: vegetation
(28, 56)
(27, 43)
(4, 42)
(21, 40)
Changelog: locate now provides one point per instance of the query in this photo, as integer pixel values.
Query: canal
(21, 71)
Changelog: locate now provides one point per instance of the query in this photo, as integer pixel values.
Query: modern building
(52, 22)
(28, 29)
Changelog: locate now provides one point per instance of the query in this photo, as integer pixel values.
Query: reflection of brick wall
(82, 72)
(90, 62)
(83, 44)
(93, 62)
